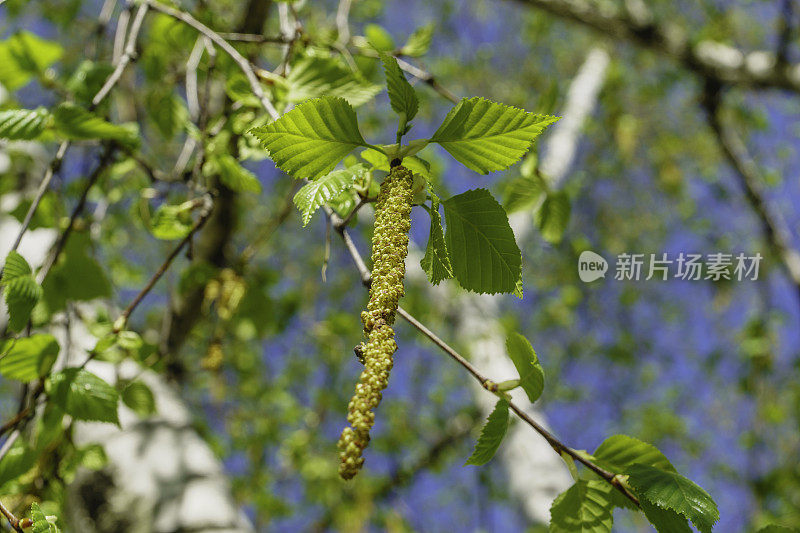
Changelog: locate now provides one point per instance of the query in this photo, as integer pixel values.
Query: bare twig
(127, 56)
(12, 520)
(240, 60)
(120, 323)
(343, 22)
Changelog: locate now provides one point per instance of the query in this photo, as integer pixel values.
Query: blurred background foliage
(706, 371)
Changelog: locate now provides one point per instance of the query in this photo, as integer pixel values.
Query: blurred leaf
(84, 396)
(553, 216)
(315, 76)
(23, 124)
(19, 460)
(28, 358)
(583, 508)
(74, 122)
(24, 55)
(77, 276)
(379, 38)
(234, 175)
(419, 42)
(21, 290)
(171, 222)
(138, 396)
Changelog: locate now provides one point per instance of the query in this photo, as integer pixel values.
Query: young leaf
(670, 490)
(553, 216)
(171, 222)
(436, 262)
(41, 524)
(84, 396)
(313, 77)
(486, 136)
(379, 38)
(24, 55)
(234, 176)
(321, 190)
(491, 435)
(415, 164)
(401, 93)
(483, 252)
(22, 124)
(618, 452)
(74, 122)
(583, 508)
(28, 358)
(22, 291)
(309, 140)
(139, 398)
(531, 374)
(419, 42)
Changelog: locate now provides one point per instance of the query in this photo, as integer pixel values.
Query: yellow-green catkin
(389, 250)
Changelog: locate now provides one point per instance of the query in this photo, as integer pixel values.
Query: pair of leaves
(667, 498)
(28, 358)
(42, 523)
(478, 248)
(531, 379)
(21, 290)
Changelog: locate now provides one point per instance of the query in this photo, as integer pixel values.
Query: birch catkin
(389, 250)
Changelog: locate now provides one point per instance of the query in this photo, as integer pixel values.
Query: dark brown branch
(712, 60)
(776, 232)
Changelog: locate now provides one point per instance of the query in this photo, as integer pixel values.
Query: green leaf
(419, 42)
(664, 520)
(19, 460)
(171, 222)
(84, 396)
(531, 374)
(41, 524)
(315, 76)
(401, 93)
(772, 528)
(553, 216)
(670, 490)
(486, 136)
(321, 190)
(436, 262)
(583, 508)
(77, 276)
(21, 290)
(524, 192)
(138, 396)
(483, 252)
(87, 80)
(74, 122)
(28, 358)
(23, 124)
(379, 38)
(24, 55)
(491, 435)
(234, 176)
(311, 139)
(618, 452)
(167, 111)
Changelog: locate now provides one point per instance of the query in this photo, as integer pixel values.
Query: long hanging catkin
(389, 250)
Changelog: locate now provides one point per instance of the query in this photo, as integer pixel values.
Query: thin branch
(711, 59)
(58, 246)
(240, 60)
(751, 180)
(121, 321)
(15, 523)
(488, 384)
(255, 38)
(343, 22)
